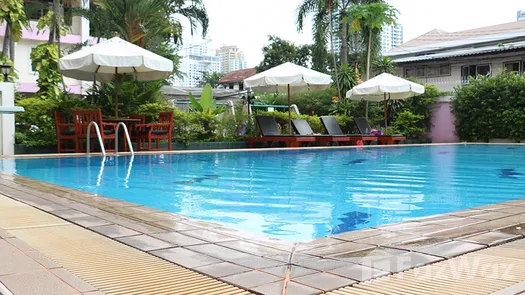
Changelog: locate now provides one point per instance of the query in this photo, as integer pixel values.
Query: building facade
(391, 36)
(448, 60)
(520, 15)
(31, 37)
(197, 58)
(231, 59)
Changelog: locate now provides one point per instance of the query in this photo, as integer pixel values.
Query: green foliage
(384, 64)
(207, 104)
(346, 79)
(195, 126)
(238, 126)
(151, 110)
(12, 77)
(346, 123)
(344, 107)
(279, 50)
(13, 13)
(210, 78)
(491, 107)
(316, 102)
(267, 98)
(45, 59)
(36, 125)
(408, 124)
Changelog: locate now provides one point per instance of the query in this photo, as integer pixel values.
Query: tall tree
(210, 78)
(279, 50)
(384, 64)
(371, 17)
(13, 14)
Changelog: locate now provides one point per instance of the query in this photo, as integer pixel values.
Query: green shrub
(36, 125)
(491, 107)
(152, 110)
(316, 102)
(239, 126)
(195, 126)
(408, 124)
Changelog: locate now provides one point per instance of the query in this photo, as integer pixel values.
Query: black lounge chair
(269, 132)
(303, 128)
(364, 128)
(332, 128)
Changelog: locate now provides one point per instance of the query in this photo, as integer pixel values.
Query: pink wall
(32, 88)
(44, 35)
(443, 128)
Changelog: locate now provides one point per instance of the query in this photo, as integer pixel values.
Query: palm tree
(144, 21)
(13, 13)
(384, 64)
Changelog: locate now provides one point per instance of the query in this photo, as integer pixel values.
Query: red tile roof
(238, 76)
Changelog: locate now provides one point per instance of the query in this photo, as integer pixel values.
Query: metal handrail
(127, 138)
(100, 141)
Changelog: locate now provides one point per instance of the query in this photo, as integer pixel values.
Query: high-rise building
(520, 15)
(197, 58)
(231, 59)
(391, 36)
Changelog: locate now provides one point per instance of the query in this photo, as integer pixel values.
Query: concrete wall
(443, 129)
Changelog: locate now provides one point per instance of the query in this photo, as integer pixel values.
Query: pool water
(299, 194)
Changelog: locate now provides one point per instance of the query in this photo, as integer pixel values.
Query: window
(428, 71)
(512, 66)
(410, 72)
(32, 68)
(474, 71)
(432, 71)
(444, 70)
(483, 70)
(420, 71)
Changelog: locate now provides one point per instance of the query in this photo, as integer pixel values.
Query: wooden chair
(132, 126)
(82, 120)
(65, 132)
(155, 131)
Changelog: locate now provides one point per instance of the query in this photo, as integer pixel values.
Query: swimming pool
(299, 194)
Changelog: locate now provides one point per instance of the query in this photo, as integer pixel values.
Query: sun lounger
(332, 128)
(269, 132)
(364, 128)
(303, 128)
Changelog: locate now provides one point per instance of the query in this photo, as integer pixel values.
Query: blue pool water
(298, 195)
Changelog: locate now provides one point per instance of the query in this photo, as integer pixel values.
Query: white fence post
(7, 118)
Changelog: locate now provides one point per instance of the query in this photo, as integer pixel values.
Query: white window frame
(31, 72)
(519, 62)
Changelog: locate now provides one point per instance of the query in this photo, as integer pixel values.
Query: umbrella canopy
(100, 61)
(299, 78)
(375, 88)
(288, 78)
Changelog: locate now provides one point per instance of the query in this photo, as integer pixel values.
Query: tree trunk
(344, 39)
(12, 47)
(368, 55)
(356, 50)
(5, 47)
(333, 54)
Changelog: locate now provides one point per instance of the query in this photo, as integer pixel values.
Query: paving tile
(491, 215)
(368, 254)
(114, 231)
(315, 243)
(491, 207)
(322, 264)
(134, 225)
(222, 269)
(385, 238)
(42, 259)
(295, 257)
(256, 262)
(49, 207)
(202, 223)
(426, 229)
(512, 210)
(467, 213)
(283, 245)
(185, 257)
(402, 262)
(359, 272)
(518, 229)
(292, 288)
(131, 210)
(416, 243)
(209, 236)
(71, 213)
(20, 245)
(251, 248)
(5, 234)
(73, 280)
(251, 279)
(331, 250)
(174, 225)
(467, 221)
(357, 234)
(145, 243)
(457, 232)
(94, 293)
(219, 252)
(236, 233)
(179, 239)
(296, 271)
(13, 261)
(438, 219)
(324, 281)
(152, 217)
(89, 221)
(451, 249)
(37, 282)
(490, 238)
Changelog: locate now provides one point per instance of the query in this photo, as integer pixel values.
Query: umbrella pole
(289, 112)
(116, 92)
(384, 99)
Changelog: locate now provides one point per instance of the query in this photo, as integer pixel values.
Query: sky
(247, 23)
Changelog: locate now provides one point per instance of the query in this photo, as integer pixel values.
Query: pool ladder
(101, 142)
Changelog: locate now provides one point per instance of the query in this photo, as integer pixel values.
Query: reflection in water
(298, 195)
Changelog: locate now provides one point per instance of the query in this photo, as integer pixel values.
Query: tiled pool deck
(264, 265)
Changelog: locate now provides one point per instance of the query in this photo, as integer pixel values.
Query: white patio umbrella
(288, 78)
(377, 88)
(104, 61)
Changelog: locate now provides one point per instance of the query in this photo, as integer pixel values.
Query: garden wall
(443, 129)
